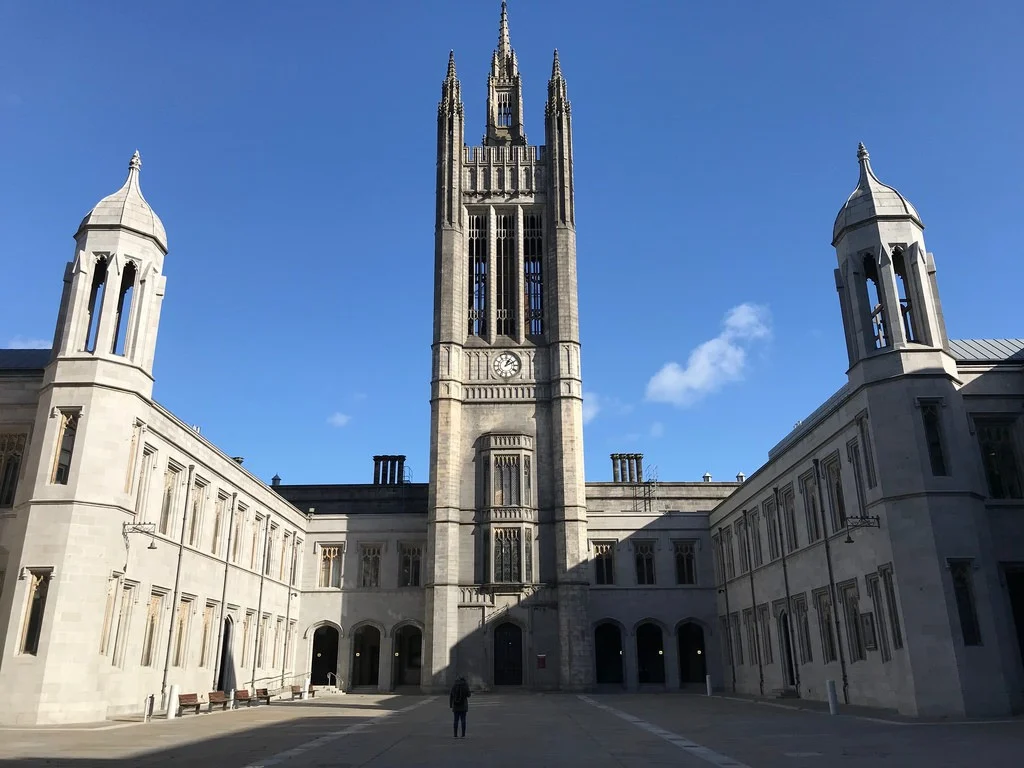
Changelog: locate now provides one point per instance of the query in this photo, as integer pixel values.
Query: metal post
(707, 683)
(833, 702)
(172, 702)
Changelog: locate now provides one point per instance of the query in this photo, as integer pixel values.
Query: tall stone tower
(507, 593)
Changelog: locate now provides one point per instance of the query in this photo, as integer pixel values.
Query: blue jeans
(459, 716)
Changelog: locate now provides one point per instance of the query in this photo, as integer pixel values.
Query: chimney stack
(275, 481)
(627, 467)
(388, 470)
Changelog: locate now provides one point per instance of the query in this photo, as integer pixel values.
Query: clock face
(506, 364)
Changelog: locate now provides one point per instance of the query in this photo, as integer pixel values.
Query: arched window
(95, 306)
(124, 309)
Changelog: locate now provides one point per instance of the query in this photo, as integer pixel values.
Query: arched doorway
(366, 656)
(508, 654)
(692, 665)
(324, 662)
(608, 654)
(650, 655)
(408, 656)
(226, 674)
(788, 665)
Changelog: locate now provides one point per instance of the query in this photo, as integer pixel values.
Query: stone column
(386, 664)
(345, 663)
(629, 665)
(671, 645)
(615, 468)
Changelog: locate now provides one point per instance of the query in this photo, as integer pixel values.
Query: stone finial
(135, 164)
(556, 67)
(451, 65)
(862, 152)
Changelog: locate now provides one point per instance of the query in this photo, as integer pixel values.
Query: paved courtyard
(522, 729)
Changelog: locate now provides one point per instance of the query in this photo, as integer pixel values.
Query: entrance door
(785, 639)
(408, 656)
(324, 663)
(608, 653)
(692, 666)
(226, 675)
(366, 656)
(508, 654)
(1015, 588)
(650, 655)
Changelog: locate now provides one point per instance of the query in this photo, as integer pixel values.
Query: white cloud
(715, 362)
(21, 342)
(338, 419)
(591, 406)
(657, 429)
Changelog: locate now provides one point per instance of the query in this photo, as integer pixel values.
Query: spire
(556, 70)
(451, 91)
(451, 68)
(135, 164)
(504, 44)
(558, 96)
(871, 199)
(503, 64)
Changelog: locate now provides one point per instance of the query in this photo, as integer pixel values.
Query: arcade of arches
(613, 650)
(365, 649)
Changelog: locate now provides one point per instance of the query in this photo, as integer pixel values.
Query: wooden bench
(188, 701)
(297, 691)
(243, 697)
(262, 694)
(218, 697)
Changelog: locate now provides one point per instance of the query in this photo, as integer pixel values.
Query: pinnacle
(451, 65)
(862, 151)
(556, 68)
(135, 163)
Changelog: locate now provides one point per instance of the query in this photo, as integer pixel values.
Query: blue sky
(290, 150)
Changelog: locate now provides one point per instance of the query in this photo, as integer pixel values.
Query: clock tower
(506, 594)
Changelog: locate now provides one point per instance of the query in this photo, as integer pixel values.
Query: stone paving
(523, 729)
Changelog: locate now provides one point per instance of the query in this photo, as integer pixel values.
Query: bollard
(231, 698)
(172, 702)
(305, 689)
(148, 708)
(833, 702)
(707, 682)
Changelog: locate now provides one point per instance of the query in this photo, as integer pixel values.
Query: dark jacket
(461, 691)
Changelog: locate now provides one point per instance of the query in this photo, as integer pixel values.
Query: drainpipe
(288, 613)
(728, 621)
(224, 592)
(789, 599)
(259, 605)
(756, 650)
(832, 583)
(177, 578)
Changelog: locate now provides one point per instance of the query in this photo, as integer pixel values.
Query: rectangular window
(195, 518)
(506, 481)
(261, 641)
(812, 515)
(533, 257)
(254, 553)
(528, 553)
(282, 571)
(208, 636)
(412, 556)
(737, 637)
(889, 589)
(181, 622)
(853, 456)
(771, 520)
(931, 412)
(65, 446)
(803, 629)
(764, 620)
(966, 607)
(643, 551)
(865, 441)
(686, 562)
(124, 622)
(477, 274)
(247, 622)
(826, 625)
(881, 636)
(756, 547)
(527, 483)
(506, 273)
(999, 457)
(726, 639)
(297, 568)
(113, 584)
(604, 562)
(271, 553)
(330, 567)
(507, 555)
(727, 550)
(167, 502)
(150, 641)
(12, 451)
(369, 566)
(278, 631)
(719, 558)
(751, 631)
(867, 630)
(836, 499)
(743, 542)
(849, 598)
(219, 519)
(788, 499)
(38, 587)
(145, 480)
(236, 536)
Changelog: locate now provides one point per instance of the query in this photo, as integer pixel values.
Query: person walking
(458, 700)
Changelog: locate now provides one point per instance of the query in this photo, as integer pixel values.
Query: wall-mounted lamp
(148, 529)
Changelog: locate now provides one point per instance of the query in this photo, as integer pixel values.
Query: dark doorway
(650, 655)
(508, 654)
(323, 667)
(608, 653)
(1015, 590)
(788, 667)
(226, 674)
(408, 656)
(366, 657)
(692, 666)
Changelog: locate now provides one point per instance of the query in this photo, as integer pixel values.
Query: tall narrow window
(854, 457)
(95, 307)
(803, 629)
(504, 109)
(879, 321)
(330, 567)
(643, 552)
(966, 606)
(370, 566)
(865, 441)
(236, 537)
(527, 483)
(65, 447)
(506, 273)
(727, 649)
(999, 456)
(812, 515)
(765, 625)
(254, 553)
(195, 518)
(38, 586)
(751, 630)
(261, 641)
(150, 632)
(278, 627)
(124, 309)
(743, 542)
(108, 614)
(737, 638)
(834, 481)
(247, 623)
(875, 593)
(850, 600)
(528, 555)
(219, 513)
(411, 558)
(12, 449)
(271, 553)
(181, 622)
(533, 257)
(124, 617)
(727, 550)
(826, 626)
(285, 564)
(145, 479)
(207, 637)
(604, 562)
(788, 498)
(756, 548)
(899, 266)
(931, 416)
(719, 558)
(686, 562)
(772, 524)
(478, 274)
(506, 481)
(889, 588)
(171, 478)
(507, 555)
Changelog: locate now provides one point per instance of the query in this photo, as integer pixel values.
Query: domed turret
(870, 201)
(127, 209)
